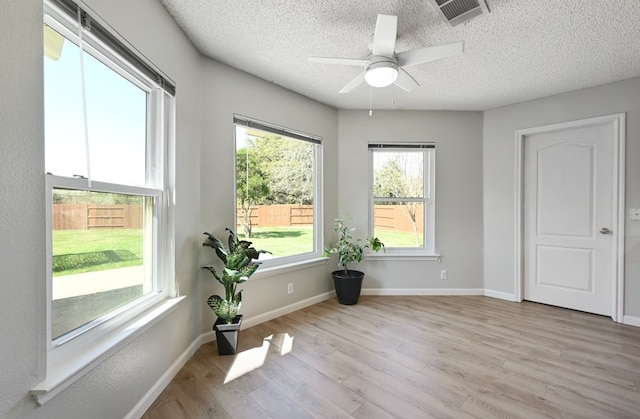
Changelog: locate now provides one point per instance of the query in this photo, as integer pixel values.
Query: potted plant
(348, 282)
(240, 262)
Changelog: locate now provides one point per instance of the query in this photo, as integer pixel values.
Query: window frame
(293, 262)
(71, 355)
(428, 250)
(159, 286)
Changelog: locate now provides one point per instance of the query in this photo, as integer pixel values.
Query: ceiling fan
(384, 66)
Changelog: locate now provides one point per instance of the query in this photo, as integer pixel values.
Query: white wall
(458, 192)
(499, 172)
(227, 91)
(115, 386)
(22, 208)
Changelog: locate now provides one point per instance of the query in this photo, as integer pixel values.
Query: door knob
(605, 230)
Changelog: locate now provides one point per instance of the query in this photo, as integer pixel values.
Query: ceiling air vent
(455, 12)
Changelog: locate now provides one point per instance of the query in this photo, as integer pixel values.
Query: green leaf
(214, 273)
(224, 309)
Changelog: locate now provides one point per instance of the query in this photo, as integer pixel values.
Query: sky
(116, 115)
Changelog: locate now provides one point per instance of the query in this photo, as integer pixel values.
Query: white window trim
(268, 271)
(428, 251)
(68, 359)
(69, 364)
(271, 267)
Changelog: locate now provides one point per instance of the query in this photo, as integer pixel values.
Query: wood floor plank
(196, 398)
(344, 398)
(385, 400)
(370, 410)
(418, 391)
(586, 386)
(416, 357)
(277, 404)
(166, 406)
(312, 402)
(340, 338)
(585, 407)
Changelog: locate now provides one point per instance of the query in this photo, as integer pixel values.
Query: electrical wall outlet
(443, 274)
(290, 288)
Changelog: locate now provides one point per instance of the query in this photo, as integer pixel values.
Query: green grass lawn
(77, 251)
(286, 241)
(398, 238)
(281, 241)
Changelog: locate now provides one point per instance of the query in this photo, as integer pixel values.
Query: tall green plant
(349, 249)
(240, 262)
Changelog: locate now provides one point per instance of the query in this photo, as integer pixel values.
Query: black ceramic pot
(347, 285)
(227, 335)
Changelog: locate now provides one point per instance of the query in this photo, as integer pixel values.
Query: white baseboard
(274, 314)
(500, 295)
(147, 400)
(210, 336)
(631, 320)
(422, 291)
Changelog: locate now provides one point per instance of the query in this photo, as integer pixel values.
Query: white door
(569, 226)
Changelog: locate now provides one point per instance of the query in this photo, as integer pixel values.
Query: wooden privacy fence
(85, 217)
(279, 215)
(388, 217)
(396, 217)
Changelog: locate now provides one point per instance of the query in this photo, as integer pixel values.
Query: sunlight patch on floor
(283, 342)
(254, 358)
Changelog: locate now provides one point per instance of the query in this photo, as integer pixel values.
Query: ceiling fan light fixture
(381, 74)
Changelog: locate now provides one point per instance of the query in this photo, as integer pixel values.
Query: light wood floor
(416, 357)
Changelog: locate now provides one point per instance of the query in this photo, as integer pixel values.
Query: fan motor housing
(377, 59)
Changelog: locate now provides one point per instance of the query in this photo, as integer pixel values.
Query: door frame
(617, 122)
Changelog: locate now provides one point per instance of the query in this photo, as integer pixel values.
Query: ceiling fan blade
(339, 61)
(405, 81)
(384, 38)
(353, 83)
(424, 55)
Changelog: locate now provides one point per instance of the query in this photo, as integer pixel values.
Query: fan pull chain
(370, 111)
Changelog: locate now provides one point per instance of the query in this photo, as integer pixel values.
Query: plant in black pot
(348, 282)
(240, 262)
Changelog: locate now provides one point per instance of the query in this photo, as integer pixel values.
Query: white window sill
(63, 374)
(400, 256)
(267, 271)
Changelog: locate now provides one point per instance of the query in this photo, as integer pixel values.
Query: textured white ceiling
(521, 50)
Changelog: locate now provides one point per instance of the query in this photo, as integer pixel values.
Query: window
(277, 183)
(107, 129)
(403, 191)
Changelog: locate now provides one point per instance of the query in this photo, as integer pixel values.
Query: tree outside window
(275, 191)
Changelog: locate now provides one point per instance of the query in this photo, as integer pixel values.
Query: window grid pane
(116, 120)
(399, 224)
(99, 259)
(398, 174)
(275, 191)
